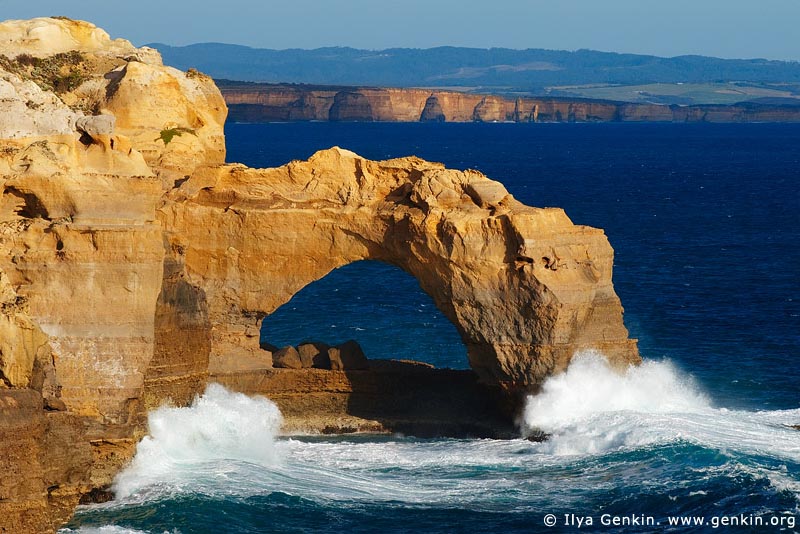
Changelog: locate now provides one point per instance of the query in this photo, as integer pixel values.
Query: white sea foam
(220, 425)
(591, 386)
(107, 529)
(593, 409)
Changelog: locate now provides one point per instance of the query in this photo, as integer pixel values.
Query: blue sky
(724, 28)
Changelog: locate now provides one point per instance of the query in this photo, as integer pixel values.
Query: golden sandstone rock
(524, 286)
(136, 266)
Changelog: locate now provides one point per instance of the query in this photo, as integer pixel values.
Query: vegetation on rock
(168, 134)
(60, 73)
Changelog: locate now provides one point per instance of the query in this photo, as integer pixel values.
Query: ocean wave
(594, 409)
(220, 425)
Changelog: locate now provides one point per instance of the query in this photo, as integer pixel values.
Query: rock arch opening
(415, 376)
(376, 304)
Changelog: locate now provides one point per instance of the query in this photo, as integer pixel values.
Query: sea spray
(591, 386)
(219, 425)
(594, 409)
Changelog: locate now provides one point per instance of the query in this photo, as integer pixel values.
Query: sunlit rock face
(524, 286)
(136, 264)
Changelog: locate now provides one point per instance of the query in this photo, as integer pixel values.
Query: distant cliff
(262, 102)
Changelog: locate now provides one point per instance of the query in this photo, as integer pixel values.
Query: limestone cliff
(262, 102)
(136, 265)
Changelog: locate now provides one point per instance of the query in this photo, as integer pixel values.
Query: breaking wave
(219, 426)
(593, 409)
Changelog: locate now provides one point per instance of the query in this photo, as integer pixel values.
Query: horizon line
(573, 51)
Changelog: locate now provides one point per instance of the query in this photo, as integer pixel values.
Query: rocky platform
(137, 265)
(392, 396)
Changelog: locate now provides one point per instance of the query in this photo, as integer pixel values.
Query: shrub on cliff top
(60, 73)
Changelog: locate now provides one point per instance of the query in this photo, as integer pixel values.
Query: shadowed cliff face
(255, 102)
(135, 264)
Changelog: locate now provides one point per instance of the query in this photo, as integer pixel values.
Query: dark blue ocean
(705, 223)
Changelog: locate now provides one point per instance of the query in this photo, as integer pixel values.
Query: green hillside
(583, 73)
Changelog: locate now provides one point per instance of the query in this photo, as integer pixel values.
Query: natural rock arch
(524, 286)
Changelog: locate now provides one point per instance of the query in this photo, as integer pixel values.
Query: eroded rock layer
(136, 266)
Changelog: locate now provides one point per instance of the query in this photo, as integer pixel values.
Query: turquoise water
(704, 221)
